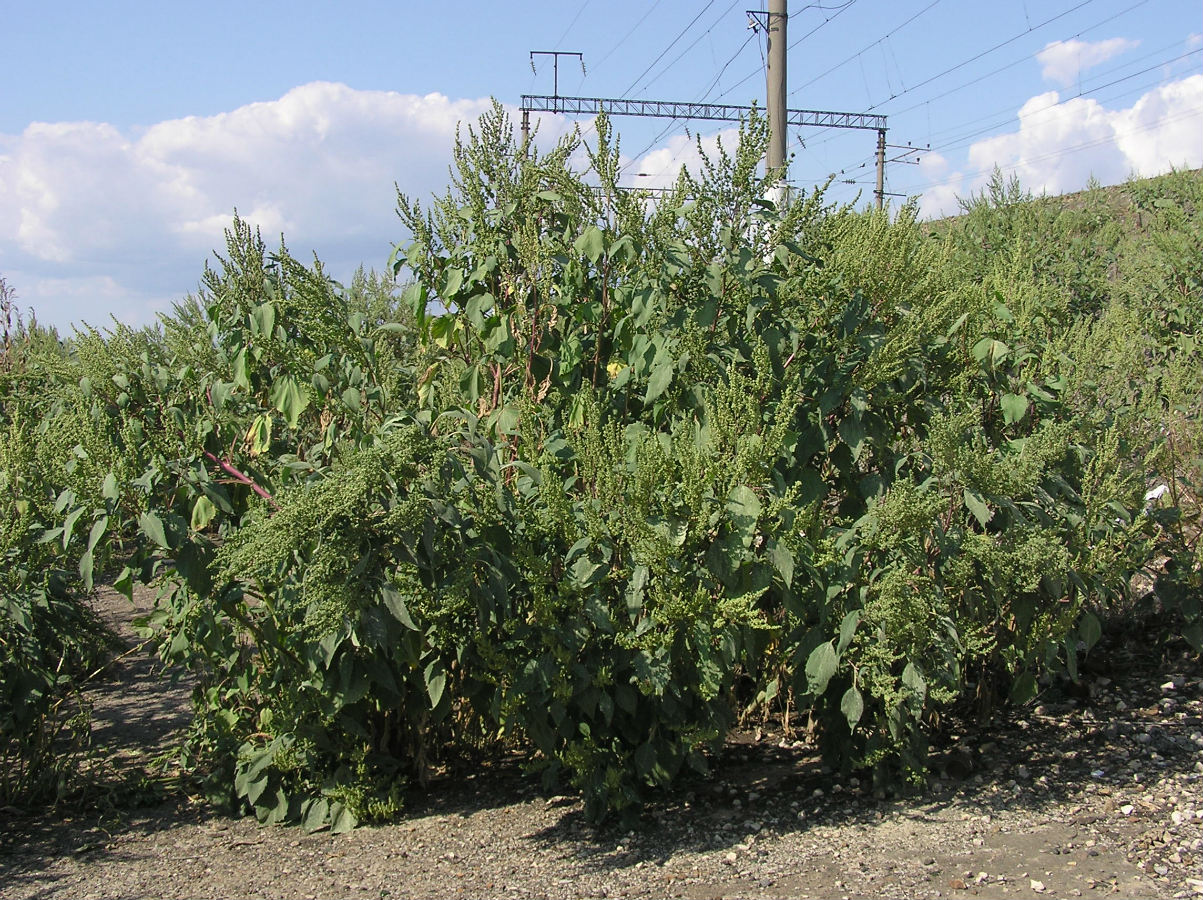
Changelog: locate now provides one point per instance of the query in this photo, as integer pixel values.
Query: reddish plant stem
(245, 479)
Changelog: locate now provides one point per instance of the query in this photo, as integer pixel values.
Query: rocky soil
(1096, 792)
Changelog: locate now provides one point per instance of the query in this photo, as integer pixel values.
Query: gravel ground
(1097, 792)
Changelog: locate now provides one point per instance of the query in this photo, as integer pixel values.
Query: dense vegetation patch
(609, 475)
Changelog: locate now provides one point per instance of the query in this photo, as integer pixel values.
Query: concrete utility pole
(880, 193)
(775, 28)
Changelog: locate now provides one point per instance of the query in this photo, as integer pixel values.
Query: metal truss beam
(712, 111)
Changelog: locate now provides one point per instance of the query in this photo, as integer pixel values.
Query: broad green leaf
(315, 814)
(239, 366)
(643, 306)
(342, 819)
(124, 583)
(453, 280)
(290, 398)
(1090, 629)
(263, 319)
(1014, 407)
(220, 393)
(394, 602)
(1071, 656)
(645, 759)
(916, 684)
(744, 508)
(98, 529)
(977, 505)
(352, 399)
(108, 488)
(847, 630)
(65, 499)
(571, 354)
(783, 561)
(852, 706)
(504, 420)
(1024, 688)
(852, 432)
(988, 348)
(85, 569)
(957, 325)
(416, 298)
(69, 524)
(436, 682)
(585, 571)
(661, 378)
(469, 383)
(820, 667)
(591, 243)
(443, 330)
(152, 526)
(1193, 634)
(203, 511)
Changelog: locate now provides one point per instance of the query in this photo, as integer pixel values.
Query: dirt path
(1098, 796)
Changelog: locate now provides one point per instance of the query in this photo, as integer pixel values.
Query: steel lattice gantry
(714, 111)
(664, 109)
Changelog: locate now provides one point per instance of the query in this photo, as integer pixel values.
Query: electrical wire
(664, 52)
(868, 47)
(1063, 151)
(962, 139)
(703, 99)
(1036, 115)
(840, 10)
(722, 71)
(560, 40)
(651, 9)
(676, 59)
(985, 52)
(1022, 59)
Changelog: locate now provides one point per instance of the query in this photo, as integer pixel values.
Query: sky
(130, 132)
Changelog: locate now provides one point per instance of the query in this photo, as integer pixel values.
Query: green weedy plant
(349, 593)
(623, 471)
(49, 641)
(940, 517)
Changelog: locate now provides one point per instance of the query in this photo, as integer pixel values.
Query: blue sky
(130, 131)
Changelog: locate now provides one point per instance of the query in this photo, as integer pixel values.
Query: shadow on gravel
(1133, 717)
(1129, 718)
(29, 842)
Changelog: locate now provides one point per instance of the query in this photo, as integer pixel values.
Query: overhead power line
(1062, 151)
(884, 37)
(672, 44)
(651, 9)
(985, 52)
(1025, 58)
(840, 10)
(676, 59)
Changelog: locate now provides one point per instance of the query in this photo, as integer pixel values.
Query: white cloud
(942, 198)
(1162, 129)
(94, 220)
(1063, 61)
(661, 167)
(1059, 146)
